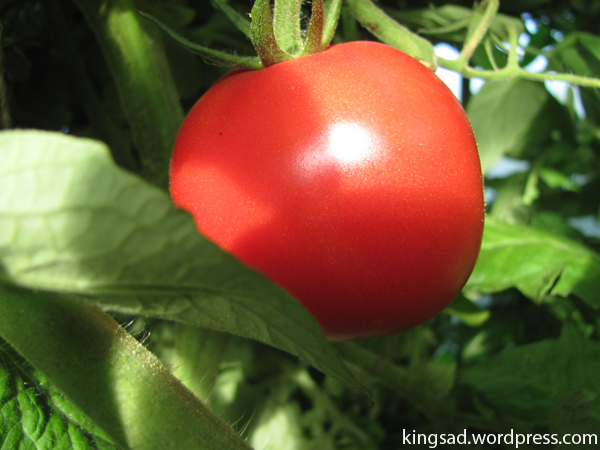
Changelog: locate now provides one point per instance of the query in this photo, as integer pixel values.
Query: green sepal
(263, 35)
(286, 25)
(332, 15)
(216, 56)
(314, 40)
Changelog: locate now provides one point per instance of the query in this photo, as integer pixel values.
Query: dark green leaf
(34, 415)
(574, 414)
(524, 383)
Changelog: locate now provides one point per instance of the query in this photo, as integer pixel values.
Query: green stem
(512, 68)
(512, 72)
(142, 75)
(109, 375)
(216, 56)
(513, 55)
(314, 39)
(476, 35)
(240, 21)
(489, 50)
(391, 32)
(102, 123)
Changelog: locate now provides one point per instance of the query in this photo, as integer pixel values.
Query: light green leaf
(524, 382)
(73, 222)
(34, 415)
(556, 179)
(536, 262)
(501, 115)
(467, 311)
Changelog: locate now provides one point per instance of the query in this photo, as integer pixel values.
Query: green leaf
(33, 414)
(556, 179)
(523, 383)
(579, 53)
(435, 375)
(574, 414)
(467, 311)
(73, 222)
(535, 262)
(501, 115)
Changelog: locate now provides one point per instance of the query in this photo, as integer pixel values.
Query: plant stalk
(116, 381)
(144, 82)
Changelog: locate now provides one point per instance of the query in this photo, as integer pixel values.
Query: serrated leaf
(34, 415)
(536, 262)
(501, 115)
(71, 221)
(524, 382)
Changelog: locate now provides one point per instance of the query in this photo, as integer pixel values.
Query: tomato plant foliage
(123, 327)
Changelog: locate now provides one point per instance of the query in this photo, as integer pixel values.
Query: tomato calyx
(276, 37)
(279, 39)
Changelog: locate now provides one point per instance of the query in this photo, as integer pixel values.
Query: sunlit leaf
(536, 262)
(71, 221)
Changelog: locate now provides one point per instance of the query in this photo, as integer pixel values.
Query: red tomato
(349, 177)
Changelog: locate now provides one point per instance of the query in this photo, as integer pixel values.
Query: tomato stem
(263, 35)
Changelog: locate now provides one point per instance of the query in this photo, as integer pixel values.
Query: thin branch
(512, 72)
(480, 31)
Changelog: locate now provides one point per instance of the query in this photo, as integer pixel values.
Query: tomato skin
(350, 177)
